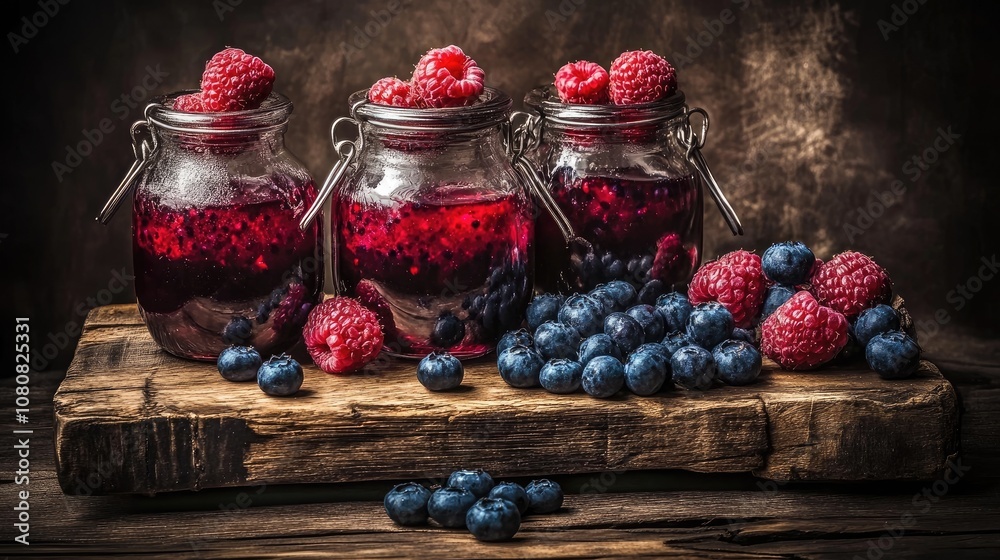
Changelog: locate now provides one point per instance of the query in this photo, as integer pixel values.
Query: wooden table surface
(611, 514)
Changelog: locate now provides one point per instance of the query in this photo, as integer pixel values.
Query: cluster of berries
(233, 81)
(604, 340)
(491, 512)
(809, 312)
(444, 77)
(635, 77)
(280, 376)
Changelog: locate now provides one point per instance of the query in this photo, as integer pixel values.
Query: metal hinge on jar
(142, 147)
(693, 143)
(523, 133)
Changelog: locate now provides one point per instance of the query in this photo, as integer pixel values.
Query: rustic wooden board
(133, 419)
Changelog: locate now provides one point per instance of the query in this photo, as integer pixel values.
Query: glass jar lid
(545, 101)
(492, 109)
(272, 113)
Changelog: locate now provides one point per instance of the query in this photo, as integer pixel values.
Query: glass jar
(434, 227)
(628, 178)
(218, 254)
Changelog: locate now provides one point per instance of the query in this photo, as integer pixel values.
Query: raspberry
(342, 335)
(191, 103)
(737, 281)
(447, 78)
(672, 260)
(234, 81)
(851, 282)
(640, 77)
(582, 82)
(802, 334)
(392, 91)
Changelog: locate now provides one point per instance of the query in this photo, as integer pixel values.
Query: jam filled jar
(218, 253)
(434, 226)
(628, 179)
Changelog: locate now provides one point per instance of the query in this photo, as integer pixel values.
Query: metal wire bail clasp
(694, 143)
(523, 133)
(142, 147)
(346, 151)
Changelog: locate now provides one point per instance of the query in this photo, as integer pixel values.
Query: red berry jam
(452, 276)
(239, 272)
(641, 229)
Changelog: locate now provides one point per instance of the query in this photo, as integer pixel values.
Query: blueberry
(745, 335)
(647, 369)
(788, 263)
(625, 331)
(239, 363)
(583, 313)
(493, 520)
(650, 320)
(775, 296)
(513, 338)
(513, 493)
(477, 481)
(675, 309)
(238, 331)
(603, 377)
(519, 366)
(893, 355)
(544, 496)
(556, 340)
(737, 362)
(709, 324)
(693, 368)
(598, 345)
(623, 292)
(545, 307)
(561, 376)
(675, 341)
(440, 371)
(608, 302)
(280, 376)
(448, 506)
(406, 504)
(877, 320)
(448, 331)
(650, 292)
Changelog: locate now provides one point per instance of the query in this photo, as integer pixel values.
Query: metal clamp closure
(143, 144)
(347, 150)
(693, 143)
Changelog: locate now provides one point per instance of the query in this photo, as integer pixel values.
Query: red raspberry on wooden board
(802, 334)
(342, 335)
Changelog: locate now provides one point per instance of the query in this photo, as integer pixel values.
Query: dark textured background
(813, 112)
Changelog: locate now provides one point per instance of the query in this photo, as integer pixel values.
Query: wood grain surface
(137, 420)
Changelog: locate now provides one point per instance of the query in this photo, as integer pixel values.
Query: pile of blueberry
(604, 341)
(491, 512)
(280, 376)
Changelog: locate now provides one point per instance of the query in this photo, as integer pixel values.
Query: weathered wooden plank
(156, 423)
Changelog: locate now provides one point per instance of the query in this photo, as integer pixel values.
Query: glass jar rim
(273, 113)
(545, 101)
(492, 109)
